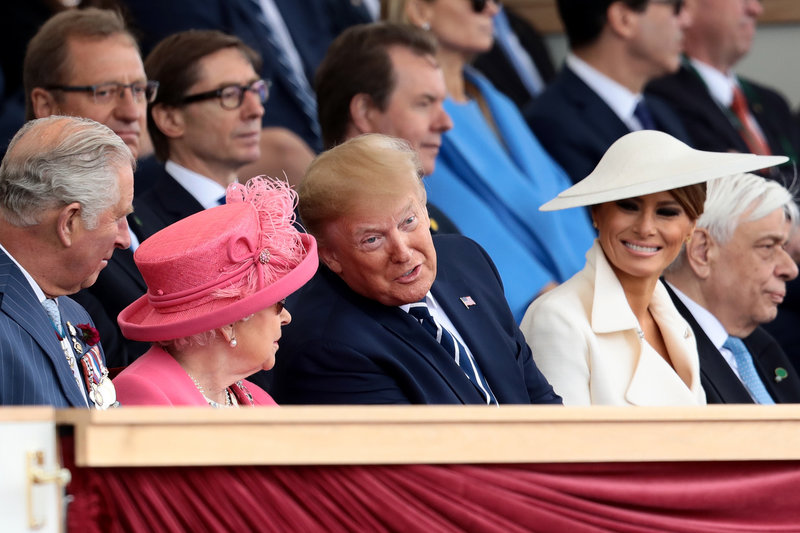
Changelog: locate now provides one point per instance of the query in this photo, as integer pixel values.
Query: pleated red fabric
(624, 497)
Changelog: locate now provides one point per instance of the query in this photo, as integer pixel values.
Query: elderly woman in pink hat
(217, 283)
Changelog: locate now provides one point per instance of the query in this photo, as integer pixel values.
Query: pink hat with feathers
(221, 265)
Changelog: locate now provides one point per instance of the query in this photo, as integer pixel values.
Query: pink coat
(156, 378)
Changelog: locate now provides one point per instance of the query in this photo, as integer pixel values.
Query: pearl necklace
(212, 403)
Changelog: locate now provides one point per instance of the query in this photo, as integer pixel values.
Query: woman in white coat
(610, 335)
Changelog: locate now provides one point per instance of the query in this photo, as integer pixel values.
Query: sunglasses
(677, 5)
(479, 5)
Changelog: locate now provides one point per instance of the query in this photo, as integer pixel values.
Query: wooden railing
(403, 435)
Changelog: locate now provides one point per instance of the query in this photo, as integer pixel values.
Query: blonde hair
(358, 172)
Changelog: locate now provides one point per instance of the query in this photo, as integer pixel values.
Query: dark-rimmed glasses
(232, 96)
(280, 305)
(479, 5)
(677, 5)
(105, 93)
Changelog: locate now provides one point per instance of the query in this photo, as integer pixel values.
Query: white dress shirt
(205, 190)
(621, 100)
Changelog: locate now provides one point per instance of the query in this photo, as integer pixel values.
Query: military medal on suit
(84, 344)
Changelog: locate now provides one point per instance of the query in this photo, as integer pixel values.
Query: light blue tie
(747, 371)
(51, 308)
(456, 350)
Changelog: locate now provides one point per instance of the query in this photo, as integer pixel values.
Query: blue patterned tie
(51, 308)
(747, 371)
(300, 86)
(456, 350)
(642, 113)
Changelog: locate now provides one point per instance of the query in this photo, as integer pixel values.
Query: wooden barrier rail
(433, 435)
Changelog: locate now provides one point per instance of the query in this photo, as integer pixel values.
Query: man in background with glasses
(86, 63)
(616, 48)
(205, 122)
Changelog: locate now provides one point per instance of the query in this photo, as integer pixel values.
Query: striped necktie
(747, 370)
(452, 346)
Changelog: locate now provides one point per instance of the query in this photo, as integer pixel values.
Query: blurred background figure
(616, 48)
(217, 283)
(384, 78)
(519, 63)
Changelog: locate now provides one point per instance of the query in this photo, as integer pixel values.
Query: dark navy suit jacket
(576, 126)
(165, 203)
(313, 24)
(342, 348)
(33, 368)
(721, 383)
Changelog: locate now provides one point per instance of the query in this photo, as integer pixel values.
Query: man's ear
(330, 259)
(362, 112)
(43, 103)
(701, 253)
(622, 20)
(169, 120)
(69, 223)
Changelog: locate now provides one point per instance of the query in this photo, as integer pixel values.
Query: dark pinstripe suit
(33, 368)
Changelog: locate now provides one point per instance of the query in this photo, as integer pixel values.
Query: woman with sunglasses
(490, 159)
(217, 282)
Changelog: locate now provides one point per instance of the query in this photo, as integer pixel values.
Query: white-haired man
(66, 187)
(729, 279)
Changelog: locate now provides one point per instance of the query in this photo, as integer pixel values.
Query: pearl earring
(426, 26)
(233, 342)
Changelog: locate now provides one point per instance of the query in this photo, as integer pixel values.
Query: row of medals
(102, 393)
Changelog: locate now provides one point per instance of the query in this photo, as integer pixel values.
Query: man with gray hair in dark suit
(66, 186)
(729, 279)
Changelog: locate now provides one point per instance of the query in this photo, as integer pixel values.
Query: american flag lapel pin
(467, 301)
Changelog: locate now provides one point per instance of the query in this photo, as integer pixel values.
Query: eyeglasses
(280, 305)
(677, 5)
(105, 93)
(479, 5)
(232, 96)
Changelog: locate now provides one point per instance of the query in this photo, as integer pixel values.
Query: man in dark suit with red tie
(721, 110)
(395, 315)
(728, 280)
(66, 185)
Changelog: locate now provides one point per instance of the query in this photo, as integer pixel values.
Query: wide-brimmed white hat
(648, 161)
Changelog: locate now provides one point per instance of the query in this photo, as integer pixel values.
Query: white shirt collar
(35, 286)
(719, 84)
(621, 100)
(205, 190)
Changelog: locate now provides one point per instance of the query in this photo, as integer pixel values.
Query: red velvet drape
(629, 497)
